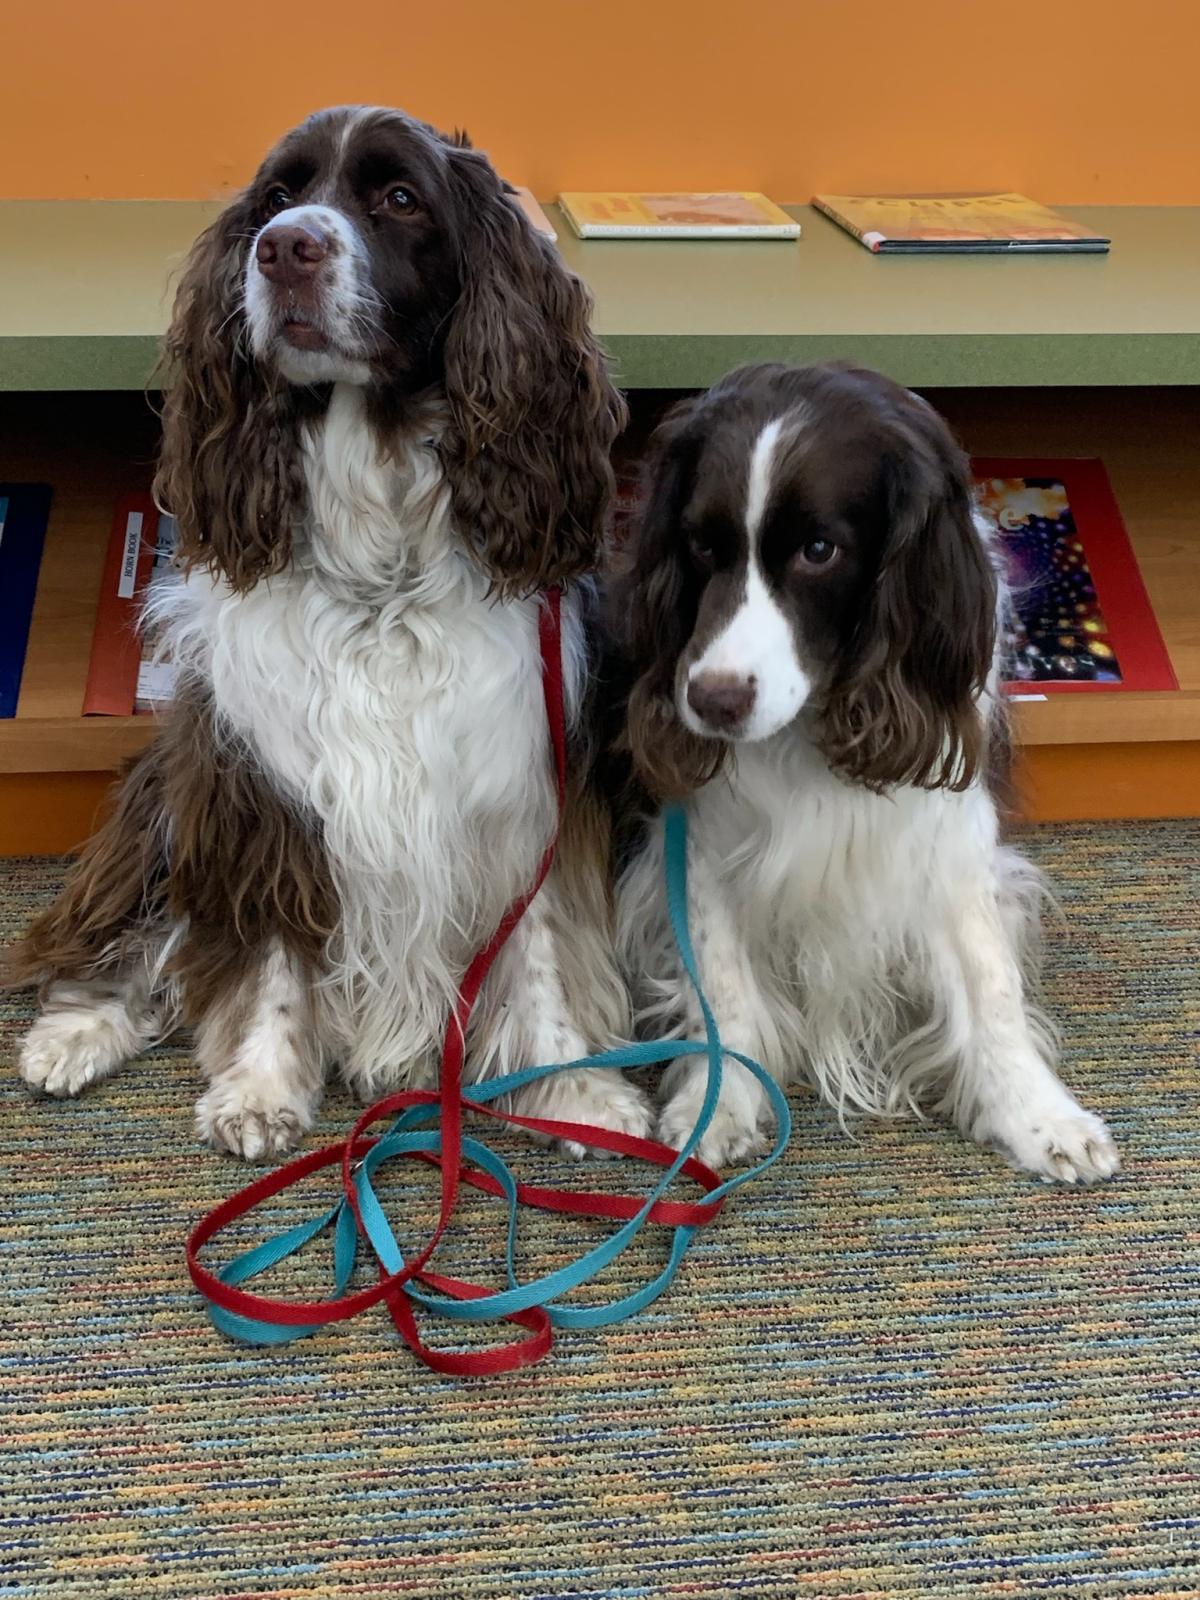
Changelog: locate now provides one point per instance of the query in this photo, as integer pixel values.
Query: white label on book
(133, 543)
(156, 682)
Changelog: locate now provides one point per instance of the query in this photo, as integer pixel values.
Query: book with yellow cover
(974, 224)
(740, 215)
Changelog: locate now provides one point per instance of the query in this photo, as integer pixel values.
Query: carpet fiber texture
(893, 1367)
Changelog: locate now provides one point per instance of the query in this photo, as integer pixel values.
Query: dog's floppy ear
(228, 468)
(653, 608)
(534, 415)
(904, 707)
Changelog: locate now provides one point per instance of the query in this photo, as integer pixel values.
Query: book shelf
(1048, 356)
(84, 299)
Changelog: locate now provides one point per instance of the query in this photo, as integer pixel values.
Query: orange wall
(1073, 100)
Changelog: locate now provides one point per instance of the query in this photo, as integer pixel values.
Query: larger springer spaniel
(812, 623)
(387, 428)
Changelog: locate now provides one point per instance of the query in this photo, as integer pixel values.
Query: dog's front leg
(258, 1043)
(1003, 1090)
(555, 995)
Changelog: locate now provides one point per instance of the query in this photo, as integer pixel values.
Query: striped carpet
(893, 1368)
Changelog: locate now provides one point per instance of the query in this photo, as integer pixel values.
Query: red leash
(390, 1288)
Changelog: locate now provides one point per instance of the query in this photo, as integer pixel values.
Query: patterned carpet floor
(894, 1367)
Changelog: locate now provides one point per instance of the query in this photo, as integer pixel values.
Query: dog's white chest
(821, 861)
(382, 689)
(412, 731)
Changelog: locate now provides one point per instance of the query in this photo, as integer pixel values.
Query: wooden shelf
(71, 744)
(84, 299)
(1107, 718)
(91, 448)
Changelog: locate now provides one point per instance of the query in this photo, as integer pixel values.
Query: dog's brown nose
(722, 699)
(290, 252)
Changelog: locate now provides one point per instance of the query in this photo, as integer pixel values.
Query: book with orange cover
(122, 674)
(742, 214)
(964, 224)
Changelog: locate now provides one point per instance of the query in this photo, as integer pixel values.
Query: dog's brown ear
(228, 468)
(905, 706)
(533, 410)
(653, 609)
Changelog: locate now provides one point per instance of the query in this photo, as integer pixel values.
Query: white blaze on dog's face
(747, 680)
(306, 287)
(782, 527)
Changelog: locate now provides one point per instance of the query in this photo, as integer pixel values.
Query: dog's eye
(400, 199)
(816, 554)
(278, 199)
(702, 550)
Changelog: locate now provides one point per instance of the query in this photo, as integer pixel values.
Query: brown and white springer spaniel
(811, 623)
(387, 427)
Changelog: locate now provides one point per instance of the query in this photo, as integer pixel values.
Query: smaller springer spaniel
(812, 617)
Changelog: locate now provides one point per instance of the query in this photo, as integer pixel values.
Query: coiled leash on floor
(408, 1285)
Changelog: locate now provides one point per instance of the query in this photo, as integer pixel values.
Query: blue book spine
(24, 513)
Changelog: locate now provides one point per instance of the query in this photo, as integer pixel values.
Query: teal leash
(409, 1136)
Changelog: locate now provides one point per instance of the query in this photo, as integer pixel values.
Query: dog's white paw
(1061, 1142)
(65, 1051)
(735, 1131)
(251, 1120)
(595, 1095)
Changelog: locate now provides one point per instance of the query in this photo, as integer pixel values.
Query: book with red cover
(1083, 621)
(121, 677)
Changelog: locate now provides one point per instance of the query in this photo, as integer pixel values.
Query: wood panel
(71, 744)
(48, 813)
(1103, 782)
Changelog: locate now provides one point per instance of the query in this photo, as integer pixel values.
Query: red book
(139, 543)
(1083, 618)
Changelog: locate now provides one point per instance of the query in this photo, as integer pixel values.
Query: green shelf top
(85, 291)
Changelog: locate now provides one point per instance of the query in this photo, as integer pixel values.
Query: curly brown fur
(115, 895)
(535, 415)
(651, 609)
(245, 867)
(198, 842)
(229, 468)
(904, 705)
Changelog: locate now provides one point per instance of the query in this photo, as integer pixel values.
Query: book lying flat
(739, 215)
(534, 212)
(978, 224)
(1082, 618)
(24, 513)
(123, 676)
